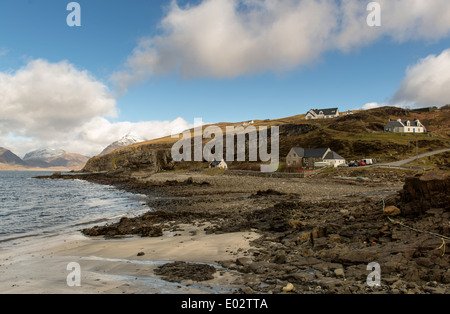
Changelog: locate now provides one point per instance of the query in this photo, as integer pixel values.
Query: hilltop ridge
(357, 135)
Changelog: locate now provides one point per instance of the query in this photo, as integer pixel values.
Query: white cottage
(330, 113)
(219, 164)
(334, 159)
(407, 126)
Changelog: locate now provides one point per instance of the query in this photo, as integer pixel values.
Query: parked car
(353, 164)
(361, 163)
(343, 165)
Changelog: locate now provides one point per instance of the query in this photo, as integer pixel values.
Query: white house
(400, 126)
(322, 114)
(334, 159)
(219, 164)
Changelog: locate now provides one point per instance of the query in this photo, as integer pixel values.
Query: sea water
(31, 208)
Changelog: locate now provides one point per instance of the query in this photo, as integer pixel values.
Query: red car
(361, 164)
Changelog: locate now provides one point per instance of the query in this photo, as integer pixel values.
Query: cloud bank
(55, 105)
(230, 38)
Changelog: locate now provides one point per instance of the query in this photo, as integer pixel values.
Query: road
(406, 161)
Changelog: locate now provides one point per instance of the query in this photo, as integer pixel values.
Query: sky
(149, 68)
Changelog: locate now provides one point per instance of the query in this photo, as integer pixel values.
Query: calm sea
(32, 208)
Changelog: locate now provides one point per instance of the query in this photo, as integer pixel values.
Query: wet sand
(113, 266)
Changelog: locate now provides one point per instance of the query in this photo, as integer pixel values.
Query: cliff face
(131, 159)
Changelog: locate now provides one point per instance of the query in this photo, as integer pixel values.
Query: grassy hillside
(355, 136)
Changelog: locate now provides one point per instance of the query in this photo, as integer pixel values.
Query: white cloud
(405, 20)
(46, 99)
(55, 105)
(92, 137)
(99, 132)
(426, 83)
(372, 105)
(230, 38)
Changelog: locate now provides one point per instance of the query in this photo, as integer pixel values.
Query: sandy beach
(113, 266)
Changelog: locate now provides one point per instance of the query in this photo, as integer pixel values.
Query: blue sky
(348, 74)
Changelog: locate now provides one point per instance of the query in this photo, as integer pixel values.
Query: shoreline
(261, 234)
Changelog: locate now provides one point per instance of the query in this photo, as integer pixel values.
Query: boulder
(391, 211)
(243, 261)
(339, 272)
(289, 287)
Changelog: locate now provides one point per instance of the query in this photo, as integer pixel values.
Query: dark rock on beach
(179, 271)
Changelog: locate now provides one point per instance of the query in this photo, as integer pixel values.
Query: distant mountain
(55, 158)
(8, 157)
(43, 153)
(68, 160)
(42, 159)
(127, 140)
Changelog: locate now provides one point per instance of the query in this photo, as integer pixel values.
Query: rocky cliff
(131, 159)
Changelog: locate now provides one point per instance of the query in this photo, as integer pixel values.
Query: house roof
(327, 112)
(310, 153)
(216, 163)
(299, 151)
(394, 124)
(317, 152)
(400, 123)
(412, 123)
(333, 155)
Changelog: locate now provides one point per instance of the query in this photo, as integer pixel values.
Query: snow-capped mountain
(48, 158)
(127, 140)
(43, 153)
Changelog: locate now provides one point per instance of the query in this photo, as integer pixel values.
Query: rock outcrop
(131, 159)
(421, 193)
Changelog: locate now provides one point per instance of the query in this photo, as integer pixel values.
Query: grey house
(306, 158)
